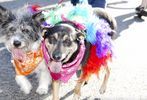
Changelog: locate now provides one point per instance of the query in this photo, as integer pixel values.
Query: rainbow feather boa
(97, 29)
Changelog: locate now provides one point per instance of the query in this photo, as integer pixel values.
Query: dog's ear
(6, 16)
(45, 33)
(38, 18)
(80, 36)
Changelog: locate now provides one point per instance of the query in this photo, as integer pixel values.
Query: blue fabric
(97, 3)
(74, 2)
(93, 3)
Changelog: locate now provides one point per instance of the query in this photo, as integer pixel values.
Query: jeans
(93, 3)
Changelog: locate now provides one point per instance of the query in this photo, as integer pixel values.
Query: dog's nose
(56, 55)
(16, 43)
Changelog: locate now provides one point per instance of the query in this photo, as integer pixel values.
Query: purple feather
(103, 41)
(103, 44)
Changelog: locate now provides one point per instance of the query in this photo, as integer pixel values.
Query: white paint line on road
(1, 90)
(5, 0)
(2, 48)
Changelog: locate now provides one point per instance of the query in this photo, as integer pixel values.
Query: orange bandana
(28, 66)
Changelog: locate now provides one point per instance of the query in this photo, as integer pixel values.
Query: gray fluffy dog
(22, 33)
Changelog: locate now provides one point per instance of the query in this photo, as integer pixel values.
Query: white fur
(43, 76)
(35, 45)
(15, 30)
(24, 83)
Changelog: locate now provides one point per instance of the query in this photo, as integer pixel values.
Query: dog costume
(96, 32)
(26, 63)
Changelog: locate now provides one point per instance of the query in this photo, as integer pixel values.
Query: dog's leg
(105, 81)
(24, 83)
(44, 79)
(56, 87)
(77, 90)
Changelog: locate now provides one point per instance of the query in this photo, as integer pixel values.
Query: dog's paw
(42, 90)
(26, 89)
(102, 89)
(24, 84)
(76, 97)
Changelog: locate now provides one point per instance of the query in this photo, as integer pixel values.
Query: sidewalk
(128, 79)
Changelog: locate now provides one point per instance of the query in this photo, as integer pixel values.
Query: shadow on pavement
(67, 95)
(111, 5)
(124, 21)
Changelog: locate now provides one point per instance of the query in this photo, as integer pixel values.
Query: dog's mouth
(57, 66)
(18, 54)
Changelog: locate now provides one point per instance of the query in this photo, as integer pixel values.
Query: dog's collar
(28, 66)
(68, 69)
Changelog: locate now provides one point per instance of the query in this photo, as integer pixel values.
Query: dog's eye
(25, 30)
(52, 40)
(67, 42)
(12, 29)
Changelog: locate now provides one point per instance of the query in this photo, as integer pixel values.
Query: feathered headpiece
(97, 29)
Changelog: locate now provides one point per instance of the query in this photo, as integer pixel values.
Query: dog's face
(20, 29)
(61, 42)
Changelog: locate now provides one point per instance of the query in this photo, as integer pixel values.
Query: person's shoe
(139, 8)
(143, 13)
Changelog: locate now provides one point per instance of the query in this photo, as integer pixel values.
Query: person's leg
(74, 2)
(144, 4)
(93, 3)
(97, 3)
(140, 10)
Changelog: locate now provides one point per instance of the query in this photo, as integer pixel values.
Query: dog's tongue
(18, 54)
(55, 66)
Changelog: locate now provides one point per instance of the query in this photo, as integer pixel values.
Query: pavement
(128, 79)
